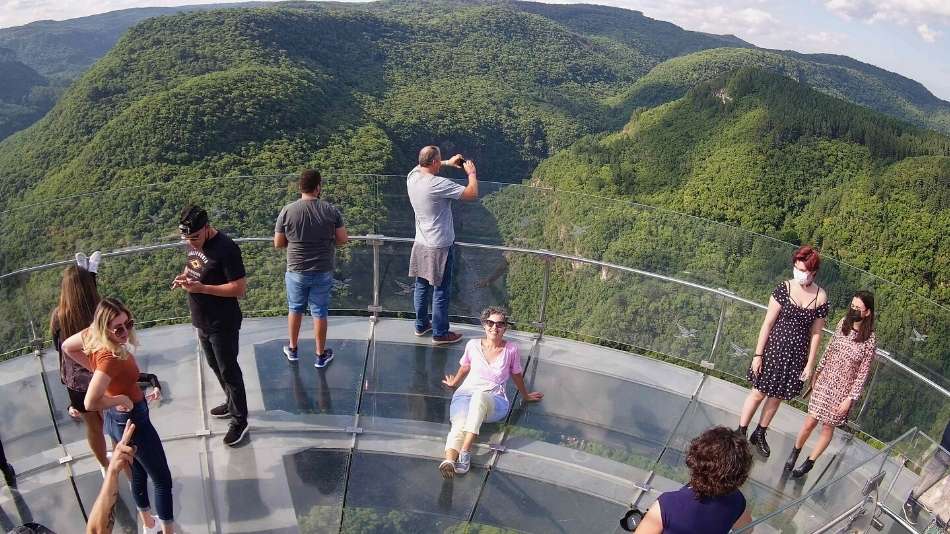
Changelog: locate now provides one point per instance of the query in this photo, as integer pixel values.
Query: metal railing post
(722, 320)
(376, 241)
(539, 324)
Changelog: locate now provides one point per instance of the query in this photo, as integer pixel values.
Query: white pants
(468, 412)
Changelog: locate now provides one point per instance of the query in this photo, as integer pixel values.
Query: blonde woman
(105, 348)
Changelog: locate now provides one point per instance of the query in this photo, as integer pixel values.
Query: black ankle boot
(758, 439)
(804, 468)
(792, 458)
(743, 431)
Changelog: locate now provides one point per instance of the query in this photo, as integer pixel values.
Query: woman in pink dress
(840, 379)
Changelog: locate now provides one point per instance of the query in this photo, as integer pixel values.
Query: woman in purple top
(484, 369)
(719, 461)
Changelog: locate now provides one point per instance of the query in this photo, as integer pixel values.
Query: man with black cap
(214, 278)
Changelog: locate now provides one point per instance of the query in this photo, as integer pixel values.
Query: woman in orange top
(106, 349)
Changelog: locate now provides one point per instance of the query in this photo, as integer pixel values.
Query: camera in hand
(461, 161)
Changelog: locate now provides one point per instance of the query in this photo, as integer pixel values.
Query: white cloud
(900, 11)
(927, 34)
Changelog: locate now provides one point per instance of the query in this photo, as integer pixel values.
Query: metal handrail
(883, 354)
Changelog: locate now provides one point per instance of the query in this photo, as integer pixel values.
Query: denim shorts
(309, 288)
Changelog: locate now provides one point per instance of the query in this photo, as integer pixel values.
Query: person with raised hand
(106, 348)
(484, 370)
(432, 256)
(102, 517)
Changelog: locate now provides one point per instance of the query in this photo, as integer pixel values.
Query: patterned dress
(786, 350)
(841, 374)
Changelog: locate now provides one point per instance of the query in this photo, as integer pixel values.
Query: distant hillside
(271, 89)
(767, 154)
(762, 152)
(838, 76)
(25, 95)
(65, 49)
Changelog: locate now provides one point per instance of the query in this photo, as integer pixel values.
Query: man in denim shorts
(310, 229)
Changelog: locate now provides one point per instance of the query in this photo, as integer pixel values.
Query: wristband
(757, 356)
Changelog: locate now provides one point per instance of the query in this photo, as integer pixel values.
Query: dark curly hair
(719, 461)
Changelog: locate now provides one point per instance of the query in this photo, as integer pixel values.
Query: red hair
(809, 256)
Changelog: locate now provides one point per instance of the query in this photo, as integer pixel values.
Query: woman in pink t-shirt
(484, 370)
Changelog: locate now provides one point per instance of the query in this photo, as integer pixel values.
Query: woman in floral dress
(787, 345)
(840, 379)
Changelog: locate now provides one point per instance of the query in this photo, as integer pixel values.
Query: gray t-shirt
(310, 227)
(431, 198)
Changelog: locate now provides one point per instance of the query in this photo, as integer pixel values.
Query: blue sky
(910, 37)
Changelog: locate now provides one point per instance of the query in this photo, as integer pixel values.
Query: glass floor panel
(355, 447)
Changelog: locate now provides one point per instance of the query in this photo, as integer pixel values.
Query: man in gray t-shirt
(431, 259)
(310, 229)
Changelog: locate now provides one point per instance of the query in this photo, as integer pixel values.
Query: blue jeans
(309, 288)
(440, 300)
(149, 461)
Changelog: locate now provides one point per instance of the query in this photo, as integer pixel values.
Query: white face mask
(803, 278)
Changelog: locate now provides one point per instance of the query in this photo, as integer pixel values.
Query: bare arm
(280, 240)
(72, 348)
(456, 379)
(816, 328)
(652, 522)
(341, 236)
(471, 190)
(101, 517)
(743, 520)
(96, 398)
(771, 315)
(532, 396)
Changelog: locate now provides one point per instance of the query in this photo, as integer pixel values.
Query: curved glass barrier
(641, 348)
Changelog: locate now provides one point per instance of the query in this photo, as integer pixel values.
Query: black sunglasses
(497, 324)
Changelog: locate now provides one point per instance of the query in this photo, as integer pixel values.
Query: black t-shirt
(219, 262)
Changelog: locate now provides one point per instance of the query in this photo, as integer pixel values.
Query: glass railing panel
(639, 312)
(737, 337)
(897, 400)
(827, 499)
(919, 457)
(395, 285)
(15, 329)
(28, 435)
(480, 280)
(46, 498)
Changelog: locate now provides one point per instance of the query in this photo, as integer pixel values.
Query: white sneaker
(447, 469)
(82, 260)
(94, 260)
(464, 462)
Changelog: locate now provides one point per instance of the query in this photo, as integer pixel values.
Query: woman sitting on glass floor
(484, 369)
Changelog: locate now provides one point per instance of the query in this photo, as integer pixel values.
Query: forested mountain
(838, 76)
(25, 95)
(764, 153)
(221, 92)
(358, 88)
